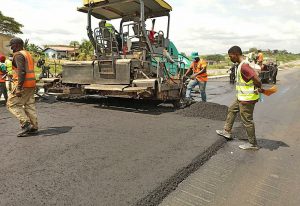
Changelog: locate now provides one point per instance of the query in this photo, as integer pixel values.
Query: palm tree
(33, 48)
(74, 44)
(86, 50)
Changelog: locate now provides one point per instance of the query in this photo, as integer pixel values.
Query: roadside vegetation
(218, 61)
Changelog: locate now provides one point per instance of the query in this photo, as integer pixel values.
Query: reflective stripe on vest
(245, 90)
(197, 68)
(30, 80)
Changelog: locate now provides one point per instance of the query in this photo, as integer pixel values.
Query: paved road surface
(89, 154)
(269, 177)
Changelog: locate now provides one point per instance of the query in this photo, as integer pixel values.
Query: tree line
(10, 26)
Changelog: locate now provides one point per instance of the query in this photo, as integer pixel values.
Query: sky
(205, 26)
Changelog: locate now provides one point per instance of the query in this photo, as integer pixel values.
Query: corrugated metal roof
(61, 48)
(115, 9)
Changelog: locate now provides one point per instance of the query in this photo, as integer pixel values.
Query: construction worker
(8, 63)
(199, 76)
(112, 32)
(260, 59)
(3, 73)
(109, 26)
(250, 57)
(21, 101)
(248, 85)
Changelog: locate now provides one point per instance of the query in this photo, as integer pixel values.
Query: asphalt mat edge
(156, 196)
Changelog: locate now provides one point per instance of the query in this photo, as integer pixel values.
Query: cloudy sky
(206, 26)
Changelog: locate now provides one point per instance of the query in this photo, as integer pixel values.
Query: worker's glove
(18, 92)
(260, 90)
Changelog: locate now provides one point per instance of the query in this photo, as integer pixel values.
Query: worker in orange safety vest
(199, 76)
(21, 101)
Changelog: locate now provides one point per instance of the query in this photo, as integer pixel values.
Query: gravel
(206, 110)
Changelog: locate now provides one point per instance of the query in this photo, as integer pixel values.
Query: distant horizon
(208, 27)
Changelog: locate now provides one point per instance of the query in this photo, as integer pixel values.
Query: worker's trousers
(246, 112)
(3, 90)
(192, 84)
(23, 108)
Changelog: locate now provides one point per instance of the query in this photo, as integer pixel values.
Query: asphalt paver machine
(131, 62)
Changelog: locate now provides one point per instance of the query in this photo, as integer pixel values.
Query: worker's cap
(16, 40)
(194, 55)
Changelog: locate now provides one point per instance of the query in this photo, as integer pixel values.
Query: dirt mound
(207, 110)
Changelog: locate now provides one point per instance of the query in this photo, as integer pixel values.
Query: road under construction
(120, 152)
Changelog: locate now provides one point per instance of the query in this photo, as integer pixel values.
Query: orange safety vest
(197, 66)
(30, 80)
(260, 57)
(1, 75)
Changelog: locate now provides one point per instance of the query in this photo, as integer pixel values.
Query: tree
(86, 50)
(253, 50)
(33, 49)
(9, 26)
(74, 44)
(215, 57)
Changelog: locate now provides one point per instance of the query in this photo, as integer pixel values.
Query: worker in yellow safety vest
(248, 86)
(8, 63)
(21, 101)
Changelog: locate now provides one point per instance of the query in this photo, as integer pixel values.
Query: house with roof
(60, 51)
(4, 40)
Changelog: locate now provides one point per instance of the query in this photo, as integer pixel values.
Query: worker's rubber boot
(249, 146)
(25, 129)
(224, 133)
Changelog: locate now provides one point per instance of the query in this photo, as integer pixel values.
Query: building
(4, 40)
(60, 51)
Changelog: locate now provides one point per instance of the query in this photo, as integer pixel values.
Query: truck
(131, 62)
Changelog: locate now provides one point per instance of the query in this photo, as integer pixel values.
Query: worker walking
(248, 86)
(3, 74)
(21, 101)
(199, 76)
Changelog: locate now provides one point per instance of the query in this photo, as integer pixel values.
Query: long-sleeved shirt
(20, 63)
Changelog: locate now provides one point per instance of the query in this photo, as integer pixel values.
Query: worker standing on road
(8, 63)
(21, 101)
(3, 74)
(248, 85)
(199, 76)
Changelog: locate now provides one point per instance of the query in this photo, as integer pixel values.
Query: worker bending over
(199, 76)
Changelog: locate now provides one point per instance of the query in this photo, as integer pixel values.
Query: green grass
(284, 58)
(219, 66)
